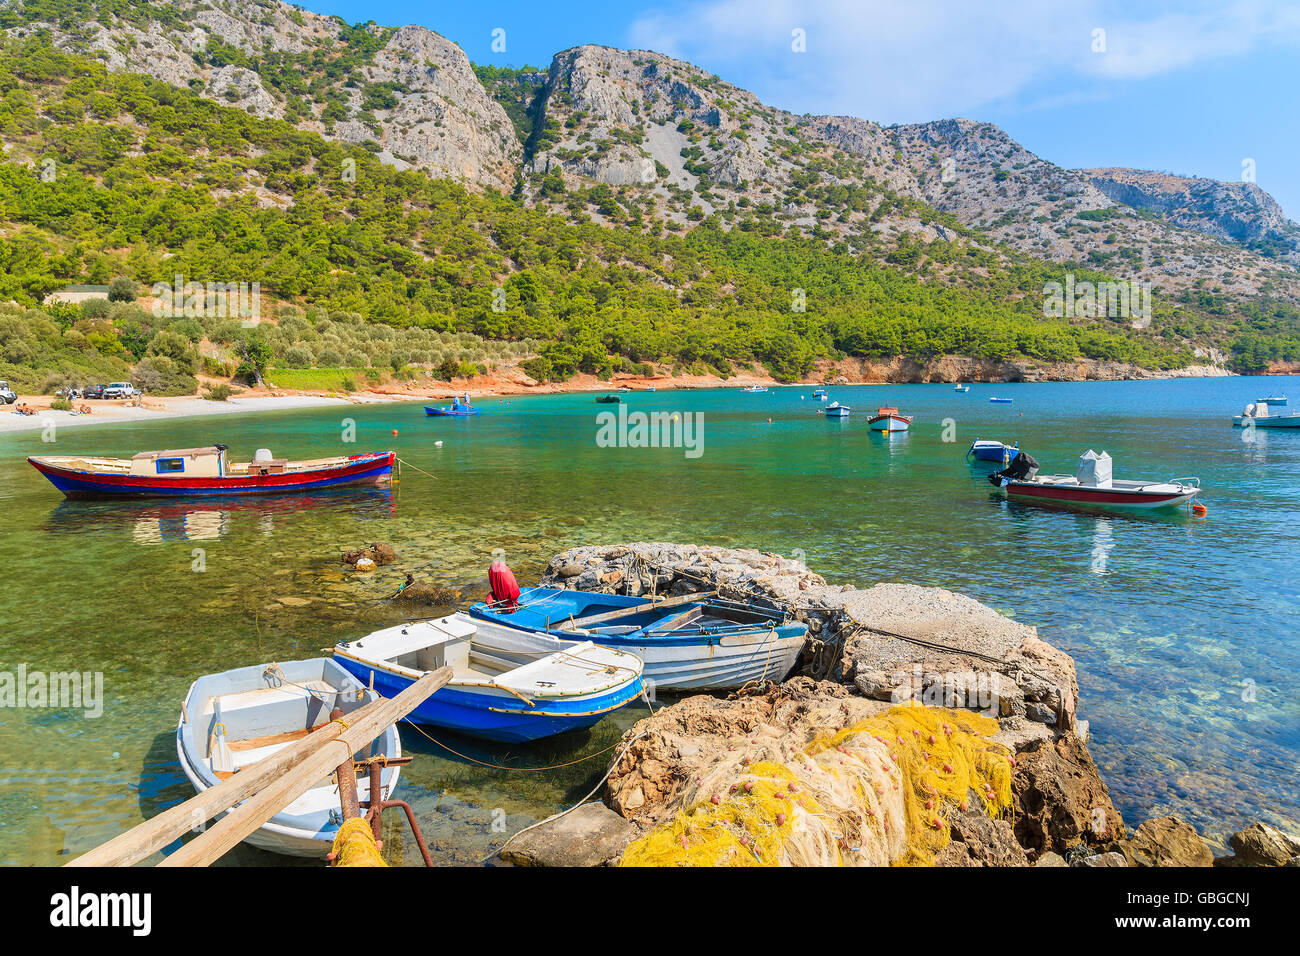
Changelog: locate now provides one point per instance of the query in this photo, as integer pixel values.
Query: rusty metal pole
(346, 775)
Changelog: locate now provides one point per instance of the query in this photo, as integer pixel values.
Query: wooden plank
(157, 832)
(636, 609)
(227, 832)
(678, 620)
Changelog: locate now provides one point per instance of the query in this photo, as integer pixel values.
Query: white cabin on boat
(206, 462)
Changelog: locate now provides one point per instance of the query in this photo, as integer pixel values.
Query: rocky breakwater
(1006, 704)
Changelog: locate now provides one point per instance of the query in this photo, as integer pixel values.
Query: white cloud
(912, 60)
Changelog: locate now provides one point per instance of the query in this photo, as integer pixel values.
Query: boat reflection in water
(156, 522)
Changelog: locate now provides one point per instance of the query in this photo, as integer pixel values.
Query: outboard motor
(1022, 468)
(505, 590)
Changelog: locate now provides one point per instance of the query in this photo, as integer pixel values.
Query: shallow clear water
(1183, 628)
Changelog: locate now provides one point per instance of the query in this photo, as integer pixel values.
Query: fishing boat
(1001, 401)
(835, 410)
(694, 642)
(889, 420)
(457, 409)
(236, 718)
(961, 388)
(608, 400)
(1268, 413)
(206, 471)
(986, 450)
(755, 388)
(507, 685)
(819, 393)
(1091, 486)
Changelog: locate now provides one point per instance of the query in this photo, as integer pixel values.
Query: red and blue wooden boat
(205, 471)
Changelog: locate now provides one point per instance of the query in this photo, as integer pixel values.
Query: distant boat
(608, 400)
(889, 420)
(1091, 486)
(755, 388)
(649, 388)
(987, 450)
(1001, 401)
(233, 719)
(205, 471)
(961, 388)
(819, 393)
(457, 409)
(835, 410)
(1261, 414)
(508, 685)
(687, 643)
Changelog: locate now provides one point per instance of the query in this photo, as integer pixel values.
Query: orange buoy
(1200, 510)
(394, 432)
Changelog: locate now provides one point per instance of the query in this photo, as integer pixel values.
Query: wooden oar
(275, 780)
(635, 609)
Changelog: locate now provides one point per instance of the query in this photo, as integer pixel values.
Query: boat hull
(1281, 421)
(78, 483)
(445, 411)
(993, 451)
(890, 423)
(492, 712)
(306, 826)
(1089, 497)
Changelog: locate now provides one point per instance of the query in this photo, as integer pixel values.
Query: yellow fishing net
(354, 845)
(873, 794)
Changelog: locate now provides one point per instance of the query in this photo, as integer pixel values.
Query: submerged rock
(378, 553)
(591, 835)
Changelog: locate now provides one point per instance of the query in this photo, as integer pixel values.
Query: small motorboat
(608, 400)
(889, 420)
(1091, 486)
(205, 471)
(236, 718)
(686, 643)
(985, 450)
(819, 393)
(508, 685)
(649, 388)
(1268, 413)
(961, 388)
(755, 388)
(835, 410)
(1001, 401)
(457, 409)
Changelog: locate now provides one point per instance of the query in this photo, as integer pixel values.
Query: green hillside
(110, 175)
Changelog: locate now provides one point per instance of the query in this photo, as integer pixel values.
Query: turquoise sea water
(1184, 629)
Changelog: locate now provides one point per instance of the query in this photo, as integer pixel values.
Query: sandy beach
(157, 409)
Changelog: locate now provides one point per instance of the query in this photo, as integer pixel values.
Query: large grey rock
(591, 835)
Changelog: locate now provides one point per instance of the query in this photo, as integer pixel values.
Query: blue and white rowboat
(705, 644)
(236, 718)
(835, 410)
(507, 685)
(983, 449)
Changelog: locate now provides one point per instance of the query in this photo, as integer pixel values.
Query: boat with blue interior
(459, 408)
(835, 410)
(691, 642)
(507, 684)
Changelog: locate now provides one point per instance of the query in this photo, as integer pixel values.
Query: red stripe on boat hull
(1114, 499)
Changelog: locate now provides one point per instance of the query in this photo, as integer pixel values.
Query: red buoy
(505, 590)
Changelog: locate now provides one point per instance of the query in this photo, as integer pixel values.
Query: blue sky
(1196, 88)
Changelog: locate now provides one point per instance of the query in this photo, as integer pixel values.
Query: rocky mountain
(635, 136)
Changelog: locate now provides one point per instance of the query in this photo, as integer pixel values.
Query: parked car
(120, 390)
(94, 391)
(7, 394)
